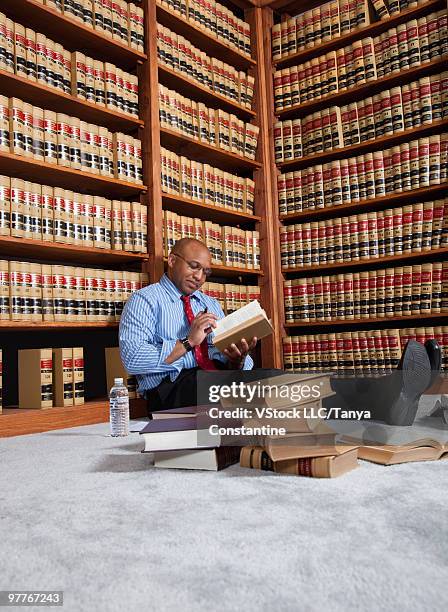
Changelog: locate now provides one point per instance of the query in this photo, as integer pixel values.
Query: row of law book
(35, 57)
(318, 25)
(363, 61)
(228, 245)
(420, 289)
(213, 127)
(51, 377)
(231, 297)
(120, 20)
(215, 19)
(399, 169)
(56, 138)
(51, 214)
(401, 108)
(414, 228)
(43, 292)
(360, 352)
(339, 127)
(104, 84)
(204, 183)
(181, 56)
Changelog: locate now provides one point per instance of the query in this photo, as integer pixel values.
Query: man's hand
(202, 324)
(236, 353)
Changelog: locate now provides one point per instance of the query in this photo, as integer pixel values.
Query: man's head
(189, 265)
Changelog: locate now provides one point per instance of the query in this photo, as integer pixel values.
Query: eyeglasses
(195, 266)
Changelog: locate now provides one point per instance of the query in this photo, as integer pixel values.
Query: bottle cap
(118, 381)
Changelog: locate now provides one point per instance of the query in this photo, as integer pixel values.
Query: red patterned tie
(200, 352)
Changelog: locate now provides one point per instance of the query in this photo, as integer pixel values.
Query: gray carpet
(87, 514)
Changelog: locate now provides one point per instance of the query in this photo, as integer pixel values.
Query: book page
(239, 317)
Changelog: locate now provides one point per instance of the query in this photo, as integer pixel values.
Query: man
(165, 338)
(165, 331)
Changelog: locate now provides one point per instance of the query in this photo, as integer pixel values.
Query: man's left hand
(236, 353)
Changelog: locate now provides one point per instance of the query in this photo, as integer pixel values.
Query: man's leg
(174, 394)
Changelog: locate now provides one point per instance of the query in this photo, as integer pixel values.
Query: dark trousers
(183, 391)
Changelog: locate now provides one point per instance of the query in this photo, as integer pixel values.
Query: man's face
(188, 269)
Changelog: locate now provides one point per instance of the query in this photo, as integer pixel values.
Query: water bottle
(119, 409)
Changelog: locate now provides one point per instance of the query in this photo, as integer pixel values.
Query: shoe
(408, 384)
(435, 357)
(392, 398)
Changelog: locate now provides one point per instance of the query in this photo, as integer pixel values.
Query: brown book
(63, 377)
(247, 322)
(115, 369)
(35, 378)
(421, 450)
(317, 467)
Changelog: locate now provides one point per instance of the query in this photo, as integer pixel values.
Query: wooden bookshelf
(193, 89)
(414, 320)
(363, 90)
(74, 35)
(58, 101)
(11, 246)
(389, 201)
(215, 47)
(373, 29)
(380, 262)
(206, 153)
(368, 146)
(30, 169)
(282, 10)
(185, 206)
(23, 421)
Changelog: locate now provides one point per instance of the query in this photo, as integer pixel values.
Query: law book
(205, 459)
(178, 434)
(421, 450)
(247, 322)
(35, 378)
(62, 377)
(332, 466)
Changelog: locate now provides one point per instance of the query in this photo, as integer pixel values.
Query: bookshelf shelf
(366, 147)
(364, 90)
(418, 319)
(388, 201)
(59, 176)
(372, 29)
(185, 206)
(56, 326)
(22, 421)
(58, 101)
(187, 87)
(75, 35)
(232, 271)
(205, 153)
(407, 258)
(201, 38)
(68, 253)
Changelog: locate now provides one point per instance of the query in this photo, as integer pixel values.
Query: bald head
(189, 264)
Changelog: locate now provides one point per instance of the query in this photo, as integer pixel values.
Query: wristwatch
(186, 343)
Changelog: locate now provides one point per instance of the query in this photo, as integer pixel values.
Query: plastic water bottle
(119, 409)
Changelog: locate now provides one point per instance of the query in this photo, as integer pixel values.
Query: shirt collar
(173, 292)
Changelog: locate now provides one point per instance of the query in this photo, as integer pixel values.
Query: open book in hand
(248, 322)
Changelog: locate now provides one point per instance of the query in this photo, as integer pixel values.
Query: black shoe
(392, 398)
(409, 382)
(435, 357)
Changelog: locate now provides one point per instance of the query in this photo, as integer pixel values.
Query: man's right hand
(202, 325)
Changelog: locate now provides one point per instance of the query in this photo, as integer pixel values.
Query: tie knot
(185, 299)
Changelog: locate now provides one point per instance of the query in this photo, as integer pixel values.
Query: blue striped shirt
(152, 321)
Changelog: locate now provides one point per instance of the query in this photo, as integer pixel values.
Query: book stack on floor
(173, 436)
